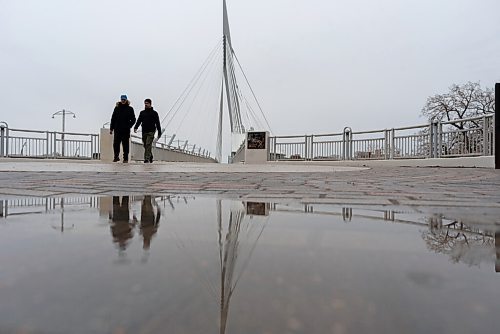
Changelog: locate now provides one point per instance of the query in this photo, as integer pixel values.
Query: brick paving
(471, 192)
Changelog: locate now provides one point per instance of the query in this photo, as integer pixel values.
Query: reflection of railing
(459, 138)
(47, 144)
(462, 242)
(31, 205)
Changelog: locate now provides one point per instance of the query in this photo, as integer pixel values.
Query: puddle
(204, 265)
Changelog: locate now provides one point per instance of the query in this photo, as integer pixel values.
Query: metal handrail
(430, 140)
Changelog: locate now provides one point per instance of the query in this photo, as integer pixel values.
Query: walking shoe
(116, 159)
(125, 161)
(146, 161)
(151, 159)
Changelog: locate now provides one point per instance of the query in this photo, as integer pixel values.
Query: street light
(63, 113)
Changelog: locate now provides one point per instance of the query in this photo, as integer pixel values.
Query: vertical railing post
(171, 140)
(496, 135)
(344, 145)
(393, 143)
(312, 148)
(347, 141)
(7, 139)
(387, 145)
(486, 130)
(434, 141)
(440, 139)
(351, 146)
(54, 148)
(305, 147)
(91, 148)
(437, 140)
(47, 144)
(431, 140)
(275, 145)
(2, 140)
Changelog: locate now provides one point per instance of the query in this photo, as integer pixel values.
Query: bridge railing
(459, 138)
(47, 144)
(181, 147)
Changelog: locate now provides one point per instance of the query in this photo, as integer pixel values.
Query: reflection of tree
(459, 241)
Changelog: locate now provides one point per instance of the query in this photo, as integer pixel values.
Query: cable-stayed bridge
(218, 97)
(219, 107)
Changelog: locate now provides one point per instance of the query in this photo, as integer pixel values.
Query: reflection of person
(121, 227)
(150, 123)
(497, 248)
(149, 221)
(122, 121)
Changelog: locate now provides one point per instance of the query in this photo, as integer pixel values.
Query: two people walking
(123, 119)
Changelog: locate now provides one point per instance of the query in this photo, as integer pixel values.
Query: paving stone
(475, 189)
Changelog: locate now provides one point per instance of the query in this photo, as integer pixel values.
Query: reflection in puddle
(151, 264)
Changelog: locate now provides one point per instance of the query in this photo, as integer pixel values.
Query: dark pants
(147, 140)
(123, 139)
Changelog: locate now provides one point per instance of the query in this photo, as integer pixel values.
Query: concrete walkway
(473, 193)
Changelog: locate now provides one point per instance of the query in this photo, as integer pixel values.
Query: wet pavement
(471, 193)
(198, 264)
(192, 248)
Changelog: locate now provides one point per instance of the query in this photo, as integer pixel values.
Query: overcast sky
(316, 65)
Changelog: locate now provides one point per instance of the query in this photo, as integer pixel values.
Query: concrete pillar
(106, 143)
(257, 147)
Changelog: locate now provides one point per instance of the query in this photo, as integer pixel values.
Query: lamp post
(63, 113)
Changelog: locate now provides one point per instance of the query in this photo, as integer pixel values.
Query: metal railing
(459, 138)
(171, 143)
(47, 144)
(177, 146)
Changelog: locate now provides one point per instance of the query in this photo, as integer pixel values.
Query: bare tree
(462, 101)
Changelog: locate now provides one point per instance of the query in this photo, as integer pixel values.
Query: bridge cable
(251, 89)
(189, 86)
(209, 70)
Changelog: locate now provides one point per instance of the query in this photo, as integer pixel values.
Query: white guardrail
(460, 138)
(47, 144)
(21, 143)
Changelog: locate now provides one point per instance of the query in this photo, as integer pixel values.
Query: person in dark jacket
(122, 121)
(150, 123)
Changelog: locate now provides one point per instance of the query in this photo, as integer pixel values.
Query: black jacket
(150, 120)
(123, 118)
